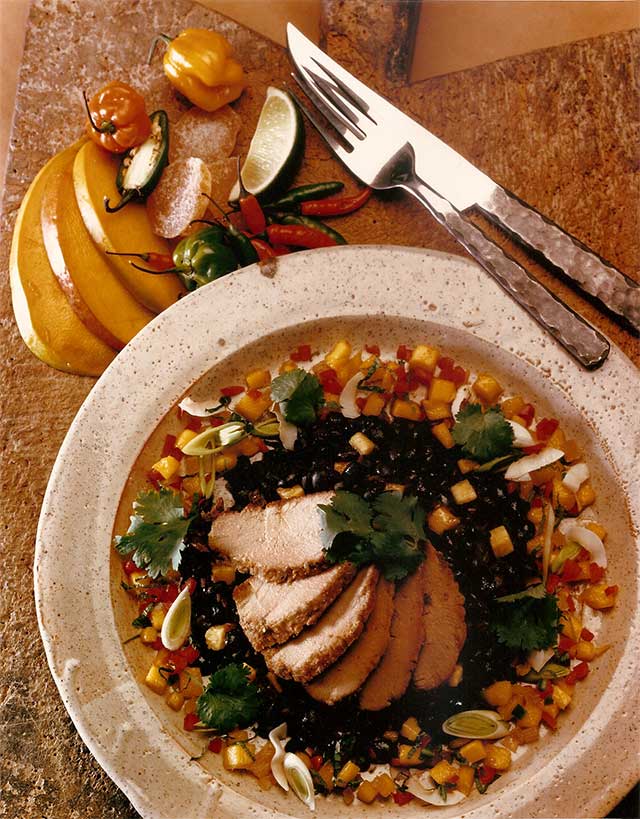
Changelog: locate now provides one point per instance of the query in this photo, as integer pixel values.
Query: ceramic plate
(391, 295)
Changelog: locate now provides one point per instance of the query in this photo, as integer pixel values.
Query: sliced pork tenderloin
(280, 541)
(272, 613)
(319, 646)
(349, 672)
(444, 624)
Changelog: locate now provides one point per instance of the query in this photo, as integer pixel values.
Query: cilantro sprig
(300, 394)
(386, 531)
(157, 531)
(482, 435)
(229, 700)
(528, 620)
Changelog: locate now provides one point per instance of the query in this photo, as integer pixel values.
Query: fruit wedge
(127, 231)
(90, 284)
(276, 149)
(47, 323)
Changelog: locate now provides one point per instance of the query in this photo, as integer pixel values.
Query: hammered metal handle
(613, 288)
(578, 337)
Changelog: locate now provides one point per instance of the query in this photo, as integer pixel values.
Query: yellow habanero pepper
(199, 64)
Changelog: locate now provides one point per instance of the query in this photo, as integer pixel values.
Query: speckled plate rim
(81, 642)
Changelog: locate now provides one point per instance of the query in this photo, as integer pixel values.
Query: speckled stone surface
(558, 127)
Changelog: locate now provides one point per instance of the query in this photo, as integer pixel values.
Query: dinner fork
(384, 159)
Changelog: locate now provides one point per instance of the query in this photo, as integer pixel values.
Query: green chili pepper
(315, 224)
(203, 257)
(242, 247)
(306, 192)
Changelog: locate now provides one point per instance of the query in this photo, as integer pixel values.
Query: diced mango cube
(585, 651)
(256, 379)
(466, 779)
(408, 756)
(190, 683)
(512, 406)
(499, 693)
(349, 368)
(223, 573)
(384, 785)
(465, 465)
(362, 444)
(425, 357)
(497, 757)
(366, 792)
(175, 700)
(440, 389)
(148, 635)
(487, 389)
(287, 367)
(185, 436)
(441, 519)
(596, 597)
(348, 772)
(225, 461)
(253, 405)
(597, 528)
(155, 681)
(216, 636)
(463, 492)
(167, 467)
(287, 493)
(402, 408)
(436, 410)
(443, 434)
(531, 717)
(473, 751)
(585, 496)
(239, 756)
(326, 775)
(500, 541)
(374, 404)
(410, 729)
(443, 772)
(561, 697)
(339, 354)
(157, 616)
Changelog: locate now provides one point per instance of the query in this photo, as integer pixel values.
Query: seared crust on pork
(347, 674)
(443, 623)
(272, 613)
(391, 678)
(280, 541)
(319, 646)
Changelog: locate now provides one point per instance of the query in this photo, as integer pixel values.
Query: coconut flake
(347, 399)
(277, 738)
(463, 394)
(427, 789)
(518, 469)
(549, 524)
(288, 432)
(572, 530)
(521, 435)
(539, 658)
(198, 409)
(576, 476)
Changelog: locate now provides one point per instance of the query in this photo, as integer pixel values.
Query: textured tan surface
(557, 127)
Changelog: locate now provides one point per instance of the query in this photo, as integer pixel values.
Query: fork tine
(350, 95)
(340, 148)
(352, 115)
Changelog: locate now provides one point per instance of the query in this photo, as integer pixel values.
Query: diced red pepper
(229, 392)
(512, 486)
(582, 555)
(157, 645)
(571, 603)
(183, 657)
(527, 413)
(403, 353)
(565, 643)
(191, 584)
(611, 590)
(545, 428)
(360, 402)
(254, 394)
(336, 205)
(547, 691)
(581, 671)
(154, 478)
(195, 424)
(486, 774)
(596, 573)
(422, 376)
(549, 721)
(553, 581)
(402, 797)
(571, 571)
(190, 721)
(215, 745)
(547, 489)
(252, 214)
(329, 381)
(216, 421)
(372, 349)
(586, 635)
(446, 365)
(532, 450)
(129, 566)
(316, 762)
(459, 376)
(536, 503)
(303, 353)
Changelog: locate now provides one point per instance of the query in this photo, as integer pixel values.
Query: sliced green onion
(476, 725)
(566, 553)
(550, 671)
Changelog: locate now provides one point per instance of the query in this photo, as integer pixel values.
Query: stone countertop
(558, 127)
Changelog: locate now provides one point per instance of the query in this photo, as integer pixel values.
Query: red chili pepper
(229, 392)
(335, 206)
(316, 762)
(611, 590)
(586, 635)
(303, 353)
(263, 249)
(215, 745)
(545, 428)
(553, 581)
(565, 643)
(372, 349)
(527, 413)
(549, 721)
(571, 571)
(191, 584)
(299, 236)
(129, 566)
(486, 774)
(403, 353)
(252, 214)
(581, 671)
(280, 250)
(402, 797)
(190, 721)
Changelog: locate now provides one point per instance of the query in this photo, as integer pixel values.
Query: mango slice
(47, 323)
(91, 285)
(127, 231)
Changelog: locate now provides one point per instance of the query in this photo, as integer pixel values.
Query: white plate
(383, 294)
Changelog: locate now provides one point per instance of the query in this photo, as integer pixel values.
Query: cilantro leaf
(157, 531)
(482, 435)
(527, 623)
(386, 531)
(229, 700)
(300, 394)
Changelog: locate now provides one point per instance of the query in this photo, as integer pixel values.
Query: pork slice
(391, 678)
(317, 647)
(347, 674)
(280, 541)
(443, 622)
(272, 613)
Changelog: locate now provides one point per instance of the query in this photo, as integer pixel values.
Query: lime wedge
(276, 149)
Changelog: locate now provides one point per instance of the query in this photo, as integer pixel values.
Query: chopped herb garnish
(229, 700)
(157, 531)
(518, 712)
(527, 623)
(386, 531)
(301, 395)
(141, 622)
(483, 436)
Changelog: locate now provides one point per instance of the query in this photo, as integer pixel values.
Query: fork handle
(578, 337)
(598, 278)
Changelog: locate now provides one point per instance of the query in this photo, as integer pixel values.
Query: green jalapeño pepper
(203, 257)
